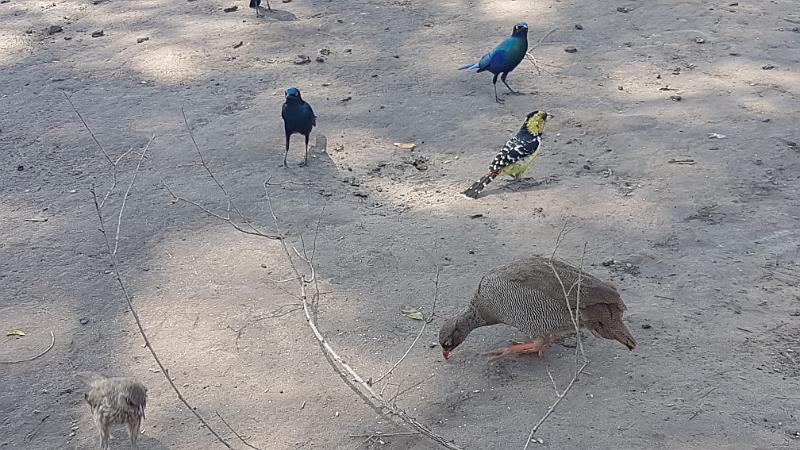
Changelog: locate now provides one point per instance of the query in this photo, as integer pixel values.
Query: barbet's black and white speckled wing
(516, 151)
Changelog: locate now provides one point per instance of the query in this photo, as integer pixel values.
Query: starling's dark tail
(469, 66)
(479, 185)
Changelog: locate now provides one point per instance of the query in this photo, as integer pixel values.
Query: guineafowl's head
(452, 334)
(520, 29)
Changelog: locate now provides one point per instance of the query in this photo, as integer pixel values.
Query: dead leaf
(412, 313)
(15, 332)
(405, 145)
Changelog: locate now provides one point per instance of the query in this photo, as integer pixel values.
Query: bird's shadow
(119, 439)
(276, 14)
(523, 185)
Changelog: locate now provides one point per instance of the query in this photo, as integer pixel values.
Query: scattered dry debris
(231, 9)
(622, 267)
(301, 59)
(98, 33)
(142, 39)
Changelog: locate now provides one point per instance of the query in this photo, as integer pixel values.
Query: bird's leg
(537, 345)
(133, 431)
(269, 8)
(305, 160)
(104, 435)
(494, 83)
(503, 79)
(285, 155)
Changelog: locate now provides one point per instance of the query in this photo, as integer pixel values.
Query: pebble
(646, 326)
(675, 98)
(53, 29)
(142, 39)
(699, 40)
(570, 49)
(578, 26)
(97, 33)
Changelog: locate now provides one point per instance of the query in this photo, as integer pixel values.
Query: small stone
(231, 9)
(97, 33)
(675, 98)
(239, 44)
(699, 40)
(53, 29)
(83, 320)
(646, 326)
(67, 38)
(571, 49)
(302, 59)
(620, 88)
(346, 99)
(319, 59)
(338, 148)
(623, 9)
(142, 39)
(286, 1)
(578, 26)
(324, 52)
(20, 168)
(767, 67)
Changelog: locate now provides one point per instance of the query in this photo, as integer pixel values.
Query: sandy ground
(698, 230)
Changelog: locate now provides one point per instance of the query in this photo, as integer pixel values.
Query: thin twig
(234, 432)
(114, 163)
(128, 191)
(575, 318)
(350, 375)
(421, 330)
(52, 343)
(113, 258)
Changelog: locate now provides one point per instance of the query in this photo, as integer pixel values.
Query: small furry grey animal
(526, 294)
(115, 400)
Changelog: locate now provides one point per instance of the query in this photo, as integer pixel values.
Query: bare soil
(673, 152)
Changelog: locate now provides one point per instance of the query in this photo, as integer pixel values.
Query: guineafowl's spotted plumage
(526, 294)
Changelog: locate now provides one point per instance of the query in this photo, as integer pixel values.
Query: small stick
(235, 433)
(421, 330)
(350, 375)
(665, 298)
(52, 343)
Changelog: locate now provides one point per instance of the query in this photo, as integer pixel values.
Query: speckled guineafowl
(526, 294)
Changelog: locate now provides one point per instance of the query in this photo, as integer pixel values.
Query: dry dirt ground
(689, 204)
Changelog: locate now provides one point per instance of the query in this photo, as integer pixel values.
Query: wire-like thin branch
(234, 432)
(112, 255)
(421, 330)
(574, 315)
(52, 343)
(351, 376)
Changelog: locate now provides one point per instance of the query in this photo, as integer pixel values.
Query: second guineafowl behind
(526, 294)
(298, 117)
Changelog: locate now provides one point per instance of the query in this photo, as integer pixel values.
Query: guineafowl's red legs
(516, 349)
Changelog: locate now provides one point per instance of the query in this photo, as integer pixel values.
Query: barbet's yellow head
(534, 123)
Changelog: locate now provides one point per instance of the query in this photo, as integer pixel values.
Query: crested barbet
(298, 117)
(504, 58)
(528, 295)
(517, 155)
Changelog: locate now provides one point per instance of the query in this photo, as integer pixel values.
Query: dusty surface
(704, 251)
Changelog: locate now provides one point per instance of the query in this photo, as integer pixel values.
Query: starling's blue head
(520, 29)
(293, 92)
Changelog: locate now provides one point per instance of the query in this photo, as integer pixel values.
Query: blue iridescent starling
(298, 117)
(504, 58)
(256, 4)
